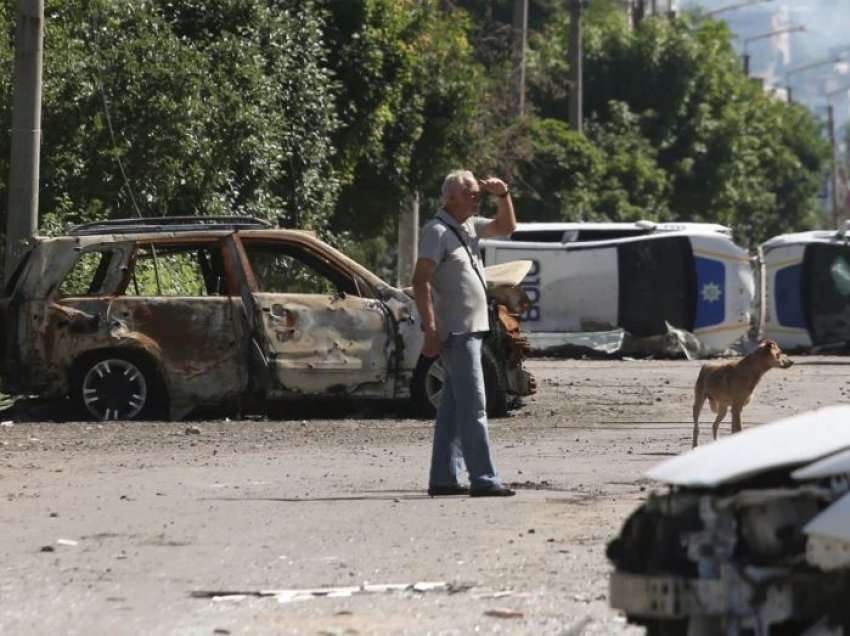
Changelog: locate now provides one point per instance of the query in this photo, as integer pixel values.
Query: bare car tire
(427, 385)
(117, 386)
(495, 383)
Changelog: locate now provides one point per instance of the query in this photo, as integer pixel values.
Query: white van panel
(570, 290)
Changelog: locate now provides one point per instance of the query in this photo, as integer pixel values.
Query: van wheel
(117, 387)
(427, 385)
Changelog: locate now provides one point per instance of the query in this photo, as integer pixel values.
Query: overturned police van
(807, 289)
(643, 278)
(752, 536)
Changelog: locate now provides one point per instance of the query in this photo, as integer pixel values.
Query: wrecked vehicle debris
(159, 317)
(753, 536)
(618, 343)
(504, 342)
(306, 594)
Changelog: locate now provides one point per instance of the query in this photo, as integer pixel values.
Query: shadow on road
(822, 363)
(395, 498)
(31, 409)
(35, 409)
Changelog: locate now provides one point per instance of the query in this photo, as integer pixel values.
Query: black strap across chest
(468, 253)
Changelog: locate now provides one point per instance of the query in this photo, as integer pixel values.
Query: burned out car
(160, 317)
(751, 537)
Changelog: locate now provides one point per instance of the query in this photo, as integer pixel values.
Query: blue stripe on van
(711, 292)
(789, 297)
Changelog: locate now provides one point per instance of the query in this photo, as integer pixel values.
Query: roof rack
(150, 225)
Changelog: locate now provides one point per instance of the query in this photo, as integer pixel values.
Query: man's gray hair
(454, 179)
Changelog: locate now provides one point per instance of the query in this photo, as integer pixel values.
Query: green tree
(406, 101)
(162, 108)
(560, 176)
(692, 138)
(633, 186)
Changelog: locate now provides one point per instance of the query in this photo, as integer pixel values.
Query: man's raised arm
(504, 223)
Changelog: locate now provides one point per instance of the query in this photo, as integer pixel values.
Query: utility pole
(798, 69)
(22, 212)
(830, 125)
(833, 144)
(408, 240)
(575, 55)
(520, 40)
(638, 10)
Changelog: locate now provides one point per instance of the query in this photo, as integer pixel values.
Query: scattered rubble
(289, 596)
(504, 612)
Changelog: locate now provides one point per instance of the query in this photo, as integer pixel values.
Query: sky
(827, 24)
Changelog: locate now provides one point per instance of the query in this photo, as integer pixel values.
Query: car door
(322, 336)
(178, 298)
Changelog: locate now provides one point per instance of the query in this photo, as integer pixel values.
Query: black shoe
(446, 491)
(499, 491)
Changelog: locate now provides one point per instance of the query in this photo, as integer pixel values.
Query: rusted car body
(131, 319)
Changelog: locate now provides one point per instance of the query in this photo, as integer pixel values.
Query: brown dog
(731, 384)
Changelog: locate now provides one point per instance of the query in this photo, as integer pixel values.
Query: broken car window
(87, 276)
(289, 269)
(177, 270)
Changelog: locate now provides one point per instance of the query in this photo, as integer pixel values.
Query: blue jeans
(461, 427)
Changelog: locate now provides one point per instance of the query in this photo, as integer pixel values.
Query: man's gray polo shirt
(460, 301)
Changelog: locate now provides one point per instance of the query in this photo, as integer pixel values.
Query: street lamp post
(763, 36)
(732, 7)
(830, 123)
(807, 67)
(575, 55)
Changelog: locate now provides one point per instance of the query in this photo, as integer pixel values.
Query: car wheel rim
(115, 389)
(434, 383)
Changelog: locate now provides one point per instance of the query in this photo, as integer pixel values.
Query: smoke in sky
(826, 35)
(827, 22)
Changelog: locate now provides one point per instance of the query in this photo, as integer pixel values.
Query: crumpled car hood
(507, 274)
(790, 442)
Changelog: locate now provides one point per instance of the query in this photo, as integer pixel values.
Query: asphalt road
(111, 528)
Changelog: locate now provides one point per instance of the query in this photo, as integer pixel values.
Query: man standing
(450, 292)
